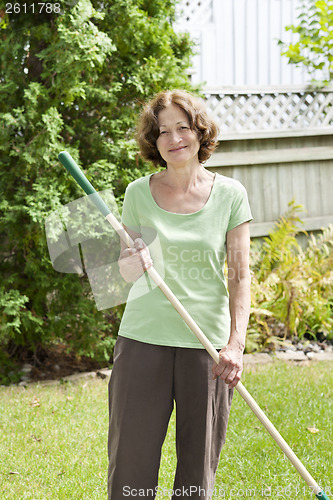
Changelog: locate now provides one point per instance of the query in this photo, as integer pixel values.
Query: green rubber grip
(322, 496)
(75, 171)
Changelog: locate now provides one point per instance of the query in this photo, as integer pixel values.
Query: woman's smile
(180, 148)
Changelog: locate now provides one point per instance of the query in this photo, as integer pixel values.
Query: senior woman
(201, 219)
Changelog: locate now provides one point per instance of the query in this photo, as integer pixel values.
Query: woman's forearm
(239, 305)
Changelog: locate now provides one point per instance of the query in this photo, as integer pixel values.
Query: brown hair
(148, 130)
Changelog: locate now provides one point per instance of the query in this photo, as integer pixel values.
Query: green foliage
(314, 47)
(292, 287)
(75, 82)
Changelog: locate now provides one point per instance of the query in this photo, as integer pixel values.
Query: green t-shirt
(189, 253)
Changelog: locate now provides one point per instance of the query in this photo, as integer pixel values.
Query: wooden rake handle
(78, 175)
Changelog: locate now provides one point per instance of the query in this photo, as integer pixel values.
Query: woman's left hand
(230, 366)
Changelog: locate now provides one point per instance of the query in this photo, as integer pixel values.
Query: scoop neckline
(178, 213)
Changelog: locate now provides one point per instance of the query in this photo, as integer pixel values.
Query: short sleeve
(129, 215)
(240, 208)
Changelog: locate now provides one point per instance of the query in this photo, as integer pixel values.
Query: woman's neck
(186, 177)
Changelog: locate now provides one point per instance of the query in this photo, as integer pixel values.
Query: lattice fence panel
(271, 111)
(195, 12)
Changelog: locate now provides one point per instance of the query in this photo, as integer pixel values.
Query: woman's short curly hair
(148, 130)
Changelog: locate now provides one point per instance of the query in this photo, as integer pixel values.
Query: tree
(73, 78)
(314, 48)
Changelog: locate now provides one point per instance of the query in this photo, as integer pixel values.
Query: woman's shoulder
(139, 183)
(228, 183)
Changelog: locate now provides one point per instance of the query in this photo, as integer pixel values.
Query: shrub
(292, 287)
(76, 81)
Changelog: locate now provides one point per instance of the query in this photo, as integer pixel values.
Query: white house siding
(237, 41)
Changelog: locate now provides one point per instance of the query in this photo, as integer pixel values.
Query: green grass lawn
(53, 438)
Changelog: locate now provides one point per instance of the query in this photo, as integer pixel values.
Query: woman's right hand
(133, 262)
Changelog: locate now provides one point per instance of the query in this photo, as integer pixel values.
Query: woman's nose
(175, 137)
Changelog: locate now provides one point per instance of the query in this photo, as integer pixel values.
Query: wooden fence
(279, 143)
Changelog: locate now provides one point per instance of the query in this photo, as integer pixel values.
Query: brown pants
(146, 380)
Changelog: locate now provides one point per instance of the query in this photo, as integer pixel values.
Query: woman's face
(177, 143)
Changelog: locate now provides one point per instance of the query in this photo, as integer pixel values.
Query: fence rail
(266, 110)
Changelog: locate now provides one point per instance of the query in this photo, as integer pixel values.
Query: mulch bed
(55, 363)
